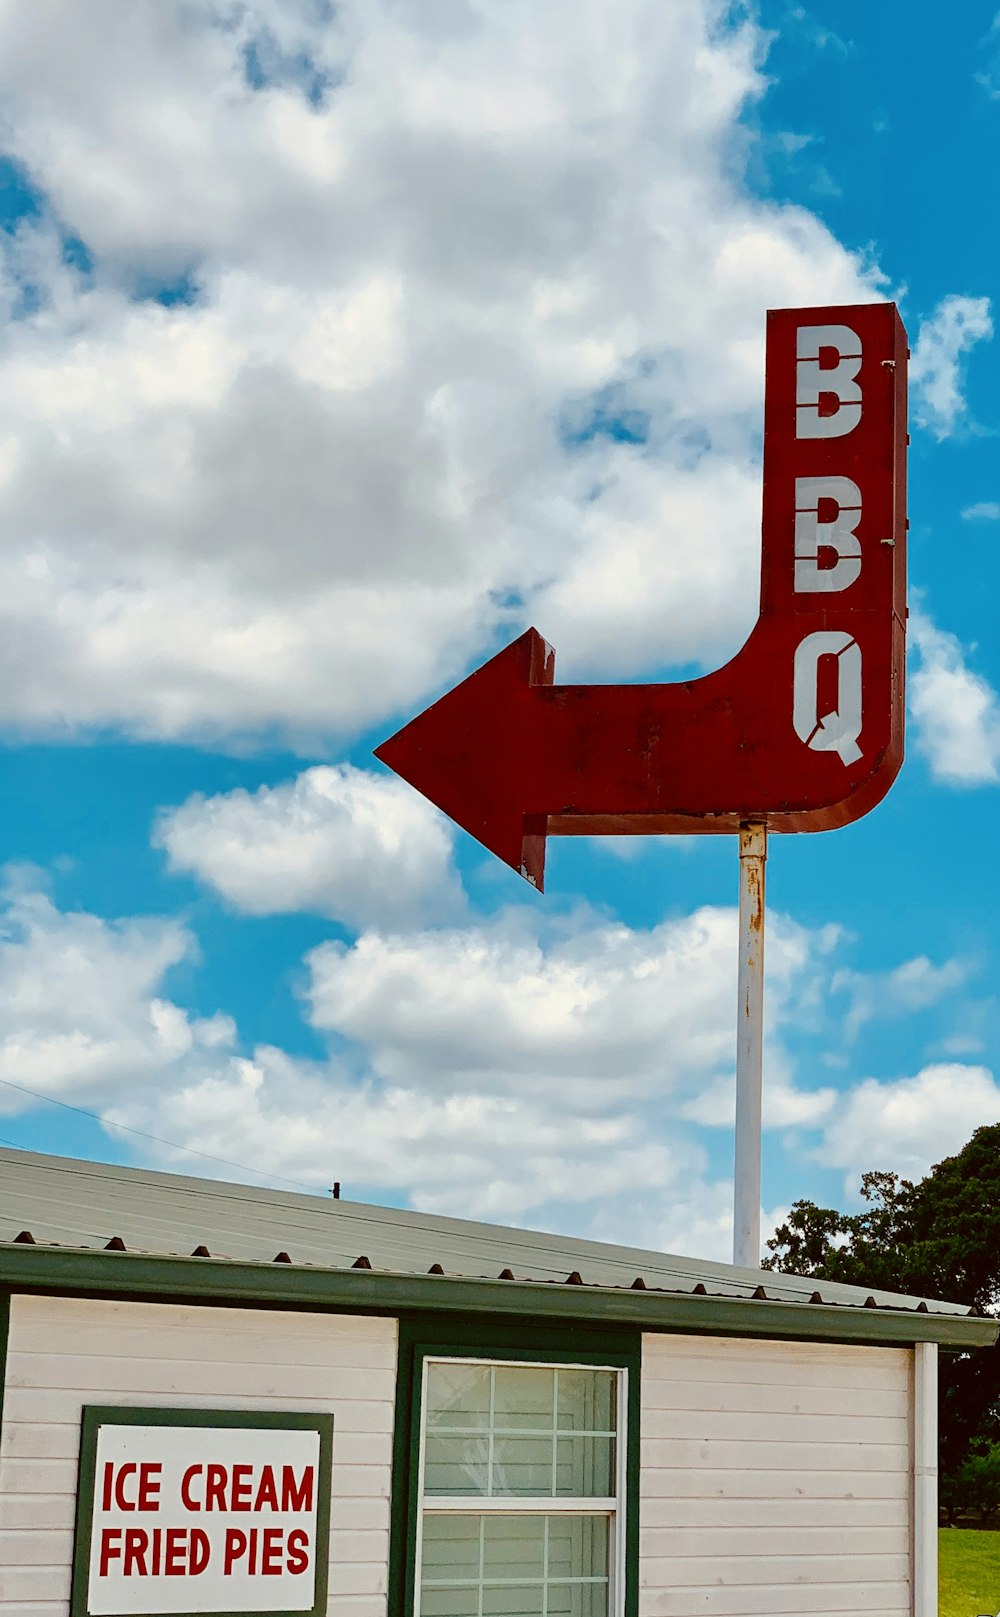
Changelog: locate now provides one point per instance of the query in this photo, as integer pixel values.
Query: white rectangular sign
(204, 1518)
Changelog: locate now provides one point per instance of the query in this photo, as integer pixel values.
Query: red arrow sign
(803, 729)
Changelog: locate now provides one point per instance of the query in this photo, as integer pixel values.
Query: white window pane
(523, 1465)
(525, 1601)
(514, 1547)
(524, 1396)
(577, 1600)
(451, 1547)
(585, 1467)
(587, 1400)
(456, 1602)
(456, 1465)
(578, 1546)
(458, 1395)
(520, 1556)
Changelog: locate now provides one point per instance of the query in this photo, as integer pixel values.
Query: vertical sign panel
(834, 547)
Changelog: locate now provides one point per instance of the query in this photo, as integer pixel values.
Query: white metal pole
(749, 1048)
(925, 1479)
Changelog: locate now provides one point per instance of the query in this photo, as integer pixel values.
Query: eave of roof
(108, 1229)
(114, 1273)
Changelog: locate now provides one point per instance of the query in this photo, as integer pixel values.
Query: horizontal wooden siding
(775, 1479)
(64, 1353)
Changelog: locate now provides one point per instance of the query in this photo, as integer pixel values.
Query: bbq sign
(199, 1511)
(803, 729)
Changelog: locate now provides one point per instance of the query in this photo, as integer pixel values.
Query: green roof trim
(365, 1291)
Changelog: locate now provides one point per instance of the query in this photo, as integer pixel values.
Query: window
(520, 1489)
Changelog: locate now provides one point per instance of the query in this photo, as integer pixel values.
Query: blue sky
(341, 344)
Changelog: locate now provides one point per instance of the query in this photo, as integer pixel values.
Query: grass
(969, 1580)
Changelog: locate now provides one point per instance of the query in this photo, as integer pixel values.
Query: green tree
(975, 1487)
(936, 1238)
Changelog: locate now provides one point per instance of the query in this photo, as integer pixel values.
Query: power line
(143, 1135)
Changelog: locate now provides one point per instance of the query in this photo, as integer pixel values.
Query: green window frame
(520, 1500)
(487, 1344)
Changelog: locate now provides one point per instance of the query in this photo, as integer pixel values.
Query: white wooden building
(215, 1393)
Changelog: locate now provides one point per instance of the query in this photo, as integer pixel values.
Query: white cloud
(439, 251)
(956, 325)
(782, 1104)
(477, 1155)
(81, 1012)
(519, 1071)
(955, 711)
(84, 1018)
(555, 1005)
(985, 511)
(361, 848)
(907, 1124)
(916, 985)
(523, 1071)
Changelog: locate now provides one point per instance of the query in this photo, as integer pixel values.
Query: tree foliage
(974, 1489)
(936, 1238)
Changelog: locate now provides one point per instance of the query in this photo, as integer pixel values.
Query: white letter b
(811, 382)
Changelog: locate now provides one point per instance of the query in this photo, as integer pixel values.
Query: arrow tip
(470, 754)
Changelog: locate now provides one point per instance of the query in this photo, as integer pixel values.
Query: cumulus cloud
(907, 1124)
(554, 1005)
(464, 300)
(84, 1017)
(360, 848)
(956, 325)
(548, 1073)
(81, 1012)
(475, 1155)
(522, 1071)
(955, 711)
(984, 511)
(469, 1073)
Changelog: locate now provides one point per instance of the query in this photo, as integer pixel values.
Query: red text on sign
(263, 1549)
(132, 1487)
(222, 1487)
(173, 1552)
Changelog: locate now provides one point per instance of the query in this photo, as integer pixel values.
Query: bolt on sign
(803, 729)
(206, 1511)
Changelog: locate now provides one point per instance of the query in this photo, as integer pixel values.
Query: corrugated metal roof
(59, 1201)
